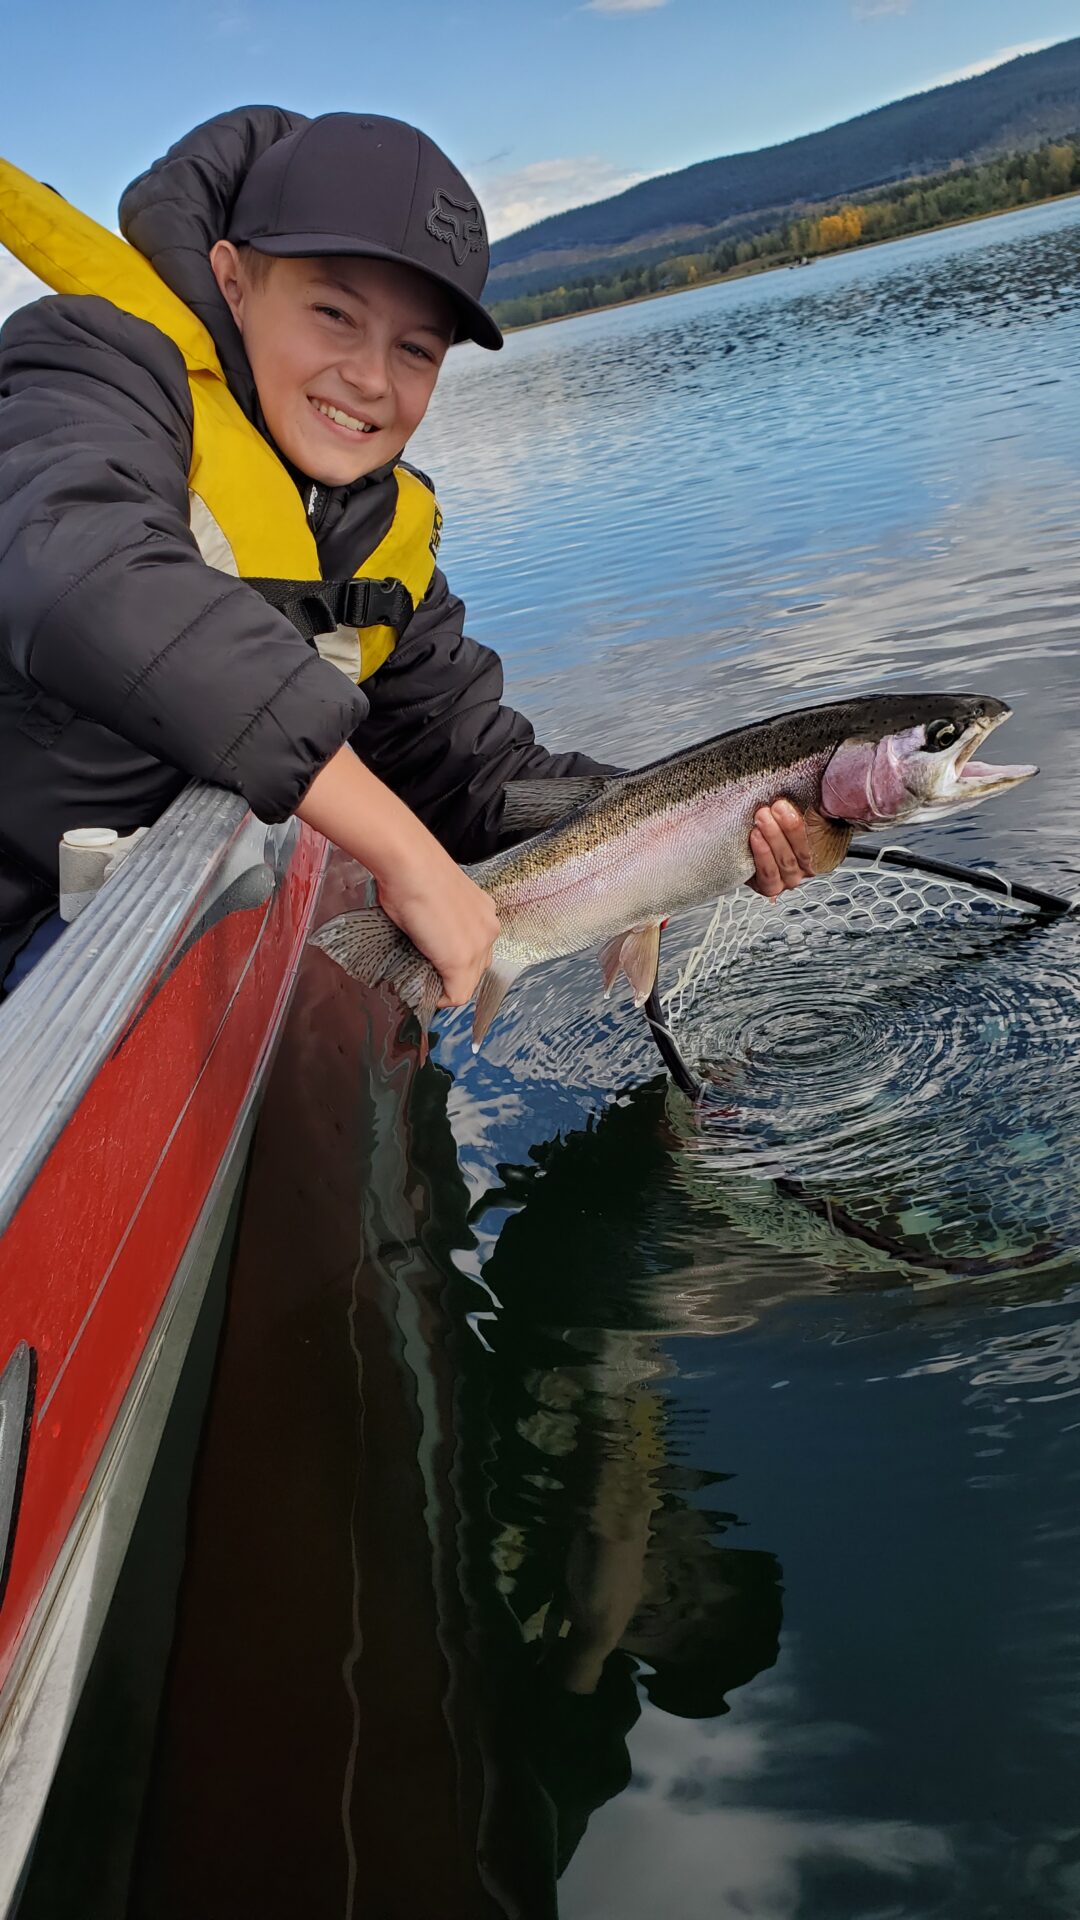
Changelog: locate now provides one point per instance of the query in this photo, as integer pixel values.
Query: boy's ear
(228, 271)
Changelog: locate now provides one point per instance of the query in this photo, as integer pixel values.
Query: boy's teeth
(343, 419)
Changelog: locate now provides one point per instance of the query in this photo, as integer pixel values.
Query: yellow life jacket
(246, 513)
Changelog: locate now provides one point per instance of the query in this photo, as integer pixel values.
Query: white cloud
(17, 284)
(997, 59)
(622, 6)
(877, 9)
(514, 200)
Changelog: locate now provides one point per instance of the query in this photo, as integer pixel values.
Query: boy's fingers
(792, 825)
(766, 878)
(456, 993)
(781, 850)
(460, 983)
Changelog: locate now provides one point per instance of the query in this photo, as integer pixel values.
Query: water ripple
(925, 1082)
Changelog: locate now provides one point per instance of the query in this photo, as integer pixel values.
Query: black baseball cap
(352, 183)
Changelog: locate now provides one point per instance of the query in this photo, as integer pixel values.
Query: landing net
(908, 1101)
(877, 891)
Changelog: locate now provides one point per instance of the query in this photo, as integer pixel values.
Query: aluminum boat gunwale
(133, 1059)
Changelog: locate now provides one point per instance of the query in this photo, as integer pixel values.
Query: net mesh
(882, 1067)
(868, 898)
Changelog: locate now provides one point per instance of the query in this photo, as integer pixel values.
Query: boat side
(133, 1056)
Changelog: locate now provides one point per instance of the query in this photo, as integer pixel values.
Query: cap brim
(477, 323)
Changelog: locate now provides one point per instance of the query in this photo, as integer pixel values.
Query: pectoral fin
(637, 953)
(829, 840)
(494, 988)
(610, 958)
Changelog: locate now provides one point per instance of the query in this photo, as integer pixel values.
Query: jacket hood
(174, 212)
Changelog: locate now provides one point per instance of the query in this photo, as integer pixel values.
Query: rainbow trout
(618, 855)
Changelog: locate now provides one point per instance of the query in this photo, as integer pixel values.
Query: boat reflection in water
(465, 1563)
(435, 1563)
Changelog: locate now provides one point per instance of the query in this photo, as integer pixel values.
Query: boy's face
(364, 338)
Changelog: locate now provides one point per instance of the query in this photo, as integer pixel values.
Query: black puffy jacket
(127, 665)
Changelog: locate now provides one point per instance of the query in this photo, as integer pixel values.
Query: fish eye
(941, 734)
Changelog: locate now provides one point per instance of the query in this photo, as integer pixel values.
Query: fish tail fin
(371, 948)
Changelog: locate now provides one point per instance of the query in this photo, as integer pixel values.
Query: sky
(544, 104)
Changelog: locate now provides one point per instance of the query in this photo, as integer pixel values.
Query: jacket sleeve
(105, 601)
(439, 734)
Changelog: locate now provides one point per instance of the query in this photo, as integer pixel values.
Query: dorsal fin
(531, 805)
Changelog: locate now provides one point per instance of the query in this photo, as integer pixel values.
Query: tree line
(1015, 105)
(917, 206)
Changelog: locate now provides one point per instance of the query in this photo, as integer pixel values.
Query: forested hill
(1018, 105)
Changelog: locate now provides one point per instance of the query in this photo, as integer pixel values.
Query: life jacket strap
(318, 606)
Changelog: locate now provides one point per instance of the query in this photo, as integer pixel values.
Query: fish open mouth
(973, 778)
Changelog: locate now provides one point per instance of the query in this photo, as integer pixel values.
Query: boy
(212, 559)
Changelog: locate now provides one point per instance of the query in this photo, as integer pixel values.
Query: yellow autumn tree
(1058, 162)
(837, 229)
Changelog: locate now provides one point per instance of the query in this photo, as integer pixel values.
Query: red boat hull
(88, 1257)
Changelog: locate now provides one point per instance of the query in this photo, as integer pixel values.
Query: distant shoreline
(754, 269)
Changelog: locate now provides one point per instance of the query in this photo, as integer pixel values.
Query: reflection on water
(925, 1082)
(787, 489)
(753, 496)
(610, 1508)
(681, 1576)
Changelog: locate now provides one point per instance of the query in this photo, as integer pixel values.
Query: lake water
(584, 1526)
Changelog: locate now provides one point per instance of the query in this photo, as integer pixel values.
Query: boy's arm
(105, 602)
(439, 733)
(425, 893)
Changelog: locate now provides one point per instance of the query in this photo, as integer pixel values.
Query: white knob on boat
(85, 853)
(96, 838)
(88, 857)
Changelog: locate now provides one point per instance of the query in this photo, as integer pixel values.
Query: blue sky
(544, 103)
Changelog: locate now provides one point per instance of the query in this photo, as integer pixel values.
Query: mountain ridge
(1032, 98)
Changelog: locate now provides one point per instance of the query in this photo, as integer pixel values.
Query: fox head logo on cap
(460, 224)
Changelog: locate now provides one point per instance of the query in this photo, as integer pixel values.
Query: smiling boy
(213, 560)
(343, 351)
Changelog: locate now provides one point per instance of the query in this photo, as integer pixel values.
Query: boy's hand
(447, 916)
(425, 893)
(780, 848)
